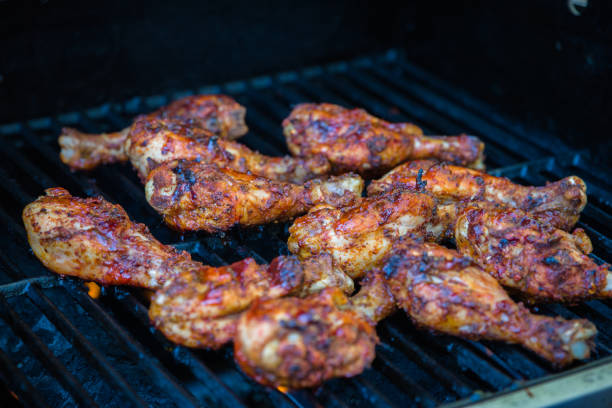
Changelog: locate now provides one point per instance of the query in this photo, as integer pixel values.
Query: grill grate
(61, 348)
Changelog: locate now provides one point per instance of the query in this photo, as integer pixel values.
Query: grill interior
(60, 347)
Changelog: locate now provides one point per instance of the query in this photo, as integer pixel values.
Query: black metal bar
(133, 347)
(386, 362)
(88, 350)
(46, 357)
(420, 356)
(18, 383)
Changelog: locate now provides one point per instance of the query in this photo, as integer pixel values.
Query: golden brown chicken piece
(360, 235)
(559, 203)
(200, 307)
(95, 240)
(152, 140)
(218, 114)
(353, 140)
(298, 343)
(196, 196)
(534, 258)
(446, 292)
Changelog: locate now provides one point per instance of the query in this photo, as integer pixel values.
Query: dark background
(531, 59)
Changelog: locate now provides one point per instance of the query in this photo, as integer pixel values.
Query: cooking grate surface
(60, 347)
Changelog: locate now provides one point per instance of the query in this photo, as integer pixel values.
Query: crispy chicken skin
(532, 257)
(95, 240)
(218, 114)
(152, 140)
(559, 203)
(446, 292)
(360, 235)
(353, 140)
(196, 196)
(297, 343)
(200, 307)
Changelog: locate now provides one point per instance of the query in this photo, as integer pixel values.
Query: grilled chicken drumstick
(95, 240)
(558, 203)
(444, 291)
(353, 140)
(532, 257)
(200, 307)
(195, 304)
(196, 196)
(298, 343)
(152, 140)
(360, 235)
(219, 114)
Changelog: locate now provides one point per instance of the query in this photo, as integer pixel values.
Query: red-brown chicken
(196, 196)
(152, 140)
(298, 343)
(441, 290)
(218, 114)
(532, 257)
(558, 203)
(353, 140)
(95, 240)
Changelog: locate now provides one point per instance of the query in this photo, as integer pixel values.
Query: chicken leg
(296, 343)
(541, 262)
(353, 140)
(558, 203)
(196, 196)
(443, 291)
(218, 114)
(152, 140)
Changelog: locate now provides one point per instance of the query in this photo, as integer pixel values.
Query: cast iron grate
(60, 347)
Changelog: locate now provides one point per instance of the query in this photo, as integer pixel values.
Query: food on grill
(199, 307)
(558, 203)
(353, 140)
(196, 196)
(444, 291)
(152, 140)
(358, 236)
(532, 257)
(96, 241)
(218, 114)
(297, 343)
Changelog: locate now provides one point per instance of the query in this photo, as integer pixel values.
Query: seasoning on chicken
(196, 196)
(96, 241)
(218, 114)
(532, 257)
(360, 235)
(353, 140)
(152, 140)
(199, 308)
(299, 343)
(441, 290)
(558, 203)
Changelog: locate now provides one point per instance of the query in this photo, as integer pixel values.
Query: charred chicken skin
(152, 140)
(558, 203)
(196, 196)
(539, 261)
(446, 292)
(95, 240)
(298, 343)
(358, 236)
(200, 306)
(353, 140)
(218, 114)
